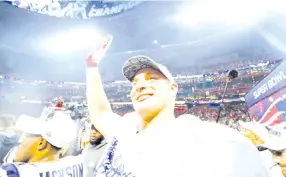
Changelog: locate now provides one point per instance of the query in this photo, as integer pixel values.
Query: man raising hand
(161, 145)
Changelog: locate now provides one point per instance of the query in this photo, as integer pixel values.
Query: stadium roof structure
(146, 29)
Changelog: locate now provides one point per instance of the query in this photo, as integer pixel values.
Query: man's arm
(98, 105)
(96, 97)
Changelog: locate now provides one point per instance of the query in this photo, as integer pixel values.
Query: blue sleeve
(9, 170)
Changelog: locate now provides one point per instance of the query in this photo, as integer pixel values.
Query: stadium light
(155, 42)
(227, 12)
(72, 40)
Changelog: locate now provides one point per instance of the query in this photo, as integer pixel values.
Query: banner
(275, 81)
(107, 11)
(76, 9)
(271, 111)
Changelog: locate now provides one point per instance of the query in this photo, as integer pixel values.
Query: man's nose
(141, 86)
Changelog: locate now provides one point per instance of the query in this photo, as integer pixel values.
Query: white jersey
(184, 147)
(67, 167)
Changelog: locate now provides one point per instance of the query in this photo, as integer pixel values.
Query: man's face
(151, 91)
(95, 136)
(27, 147)
(280, 158)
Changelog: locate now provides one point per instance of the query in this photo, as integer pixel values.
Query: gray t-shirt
(91, 156)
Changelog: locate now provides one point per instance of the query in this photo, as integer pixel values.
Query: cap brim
(275, 143)
(31, 125)
(276, 146)
(133, 65)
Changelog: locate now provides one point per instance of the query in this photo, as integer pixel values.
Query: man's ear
(174, 87)
(42, 145)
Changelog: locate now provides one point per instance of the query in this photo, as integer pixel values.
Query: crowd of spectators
(30, 97)
(207, 85)
(230, 113)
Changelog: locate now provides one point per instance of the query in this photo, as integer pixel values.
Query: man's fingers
(107, 42)
(104, 43)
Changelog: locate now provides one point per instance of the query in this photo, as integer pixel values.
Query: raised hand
(98, 53)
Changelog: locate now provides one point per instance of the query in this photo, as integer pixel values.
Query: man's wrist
(90, 63)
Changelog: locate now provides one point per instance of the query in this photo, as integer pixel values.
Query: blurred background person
(94, 150)
(44, 140)
(271, 147)
(276, 144)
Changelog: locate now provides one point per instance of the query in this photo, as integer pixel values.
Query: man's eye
(153, 78)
